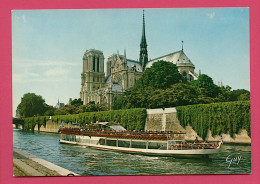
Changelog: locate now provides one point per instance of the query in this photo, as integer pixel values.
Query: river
(91, 162)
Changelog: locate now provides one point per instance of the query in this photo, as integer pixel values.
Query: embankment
(25, 164)
(166, 120)
(228, 120)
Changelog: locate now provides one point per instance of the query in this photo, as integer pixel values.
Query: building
(17, 115)
(122, 72)
(59, 105)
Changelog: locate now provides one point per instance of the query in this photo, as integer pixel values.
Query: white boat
(155, 143)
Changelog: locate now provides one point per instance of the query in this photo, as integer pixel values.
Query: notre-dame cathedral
(122, 73)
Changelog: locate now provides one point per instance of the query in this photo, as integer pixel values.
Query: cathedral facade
(122, 73)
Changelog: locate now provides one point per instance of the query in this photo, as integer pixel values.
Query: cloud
(58, 63)
(56, 72)
(33, 74)
(32, 62)
(50, 81)
(24, 77)
(17, 78)
(28, 70)
(211, 15)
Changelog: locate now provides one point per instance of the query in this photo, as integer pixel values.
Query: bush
(131, 119)
(227, 117)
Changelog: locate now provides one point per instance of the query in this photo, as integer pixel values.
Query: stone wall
(53, 126)
(154, 122)
(166, 120)
(18, 126)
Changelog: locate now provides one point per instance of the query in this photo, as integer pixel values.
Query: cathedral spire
(143, 47)
(143, 41)
(125, 56)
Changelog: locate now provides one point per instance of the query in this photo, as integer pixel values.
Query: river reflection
(86, 161)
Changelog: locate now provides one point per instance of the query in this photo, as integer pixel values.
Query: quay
(26, 164)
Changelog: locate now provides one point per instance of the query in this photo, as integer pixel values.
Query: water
(89, 162)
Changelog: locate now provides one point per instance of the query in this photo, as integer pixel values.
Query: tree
(76, 102)
(118, 103)
(240, 94)
(225, 94)
(178, 94)
(60, 112)
(49, 111)
(161, 75)
(206, 86)
(31, 105)
(92, 107)
(70, 109)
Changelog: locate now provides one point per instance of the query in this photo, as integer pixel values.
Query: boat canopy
(100, 123)
(117, 128)
(75, 124)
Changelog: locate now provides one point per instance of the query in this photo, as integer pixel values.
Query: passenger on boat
(196, 140)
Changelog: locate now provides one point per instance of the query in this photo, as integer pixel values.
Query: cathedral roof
(179, 58)
(133, 63)
(131, 60)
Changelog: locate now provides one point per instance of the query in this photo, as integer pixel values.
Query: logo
(233, 158)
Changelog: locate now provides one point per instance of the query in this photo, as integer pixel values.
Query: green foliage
(31, 122)
(227, 117)
(31, 105)
(76, 102)
(69, 109)
(161, 75)
(244, 96)
(50, 110)
(131, 119)
(60, 112)
(49, 113)
(240, 94)
(76, 109)
(225, 94)
(177, 95)
(118, 103)
(92, 108)
(18, 121)
(206, 86)
(201, 91)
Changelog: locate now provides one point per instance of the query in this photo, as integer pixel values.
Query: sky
(48, 45)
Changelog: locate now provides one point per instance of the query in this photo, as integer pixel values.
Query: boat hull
(191, 153)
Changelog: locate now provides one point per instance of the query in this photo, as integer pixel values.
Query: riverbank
(91, 162)
(25, 164)
(156, 120)
(166, 120)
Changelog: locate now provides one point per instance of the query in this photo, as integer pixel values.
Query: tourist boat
(155, 143)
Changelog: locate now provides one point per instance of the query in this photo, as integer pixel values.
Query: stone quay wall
(166, 120)
(53, 126)
(26, 164)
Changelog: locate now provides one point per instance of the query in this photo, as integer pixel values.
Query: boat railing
(143, 135)
(196, 145)
(174, 140)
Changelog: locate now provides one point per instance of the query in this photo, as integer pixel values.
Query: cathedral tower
(93, 76)
(143, 47)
